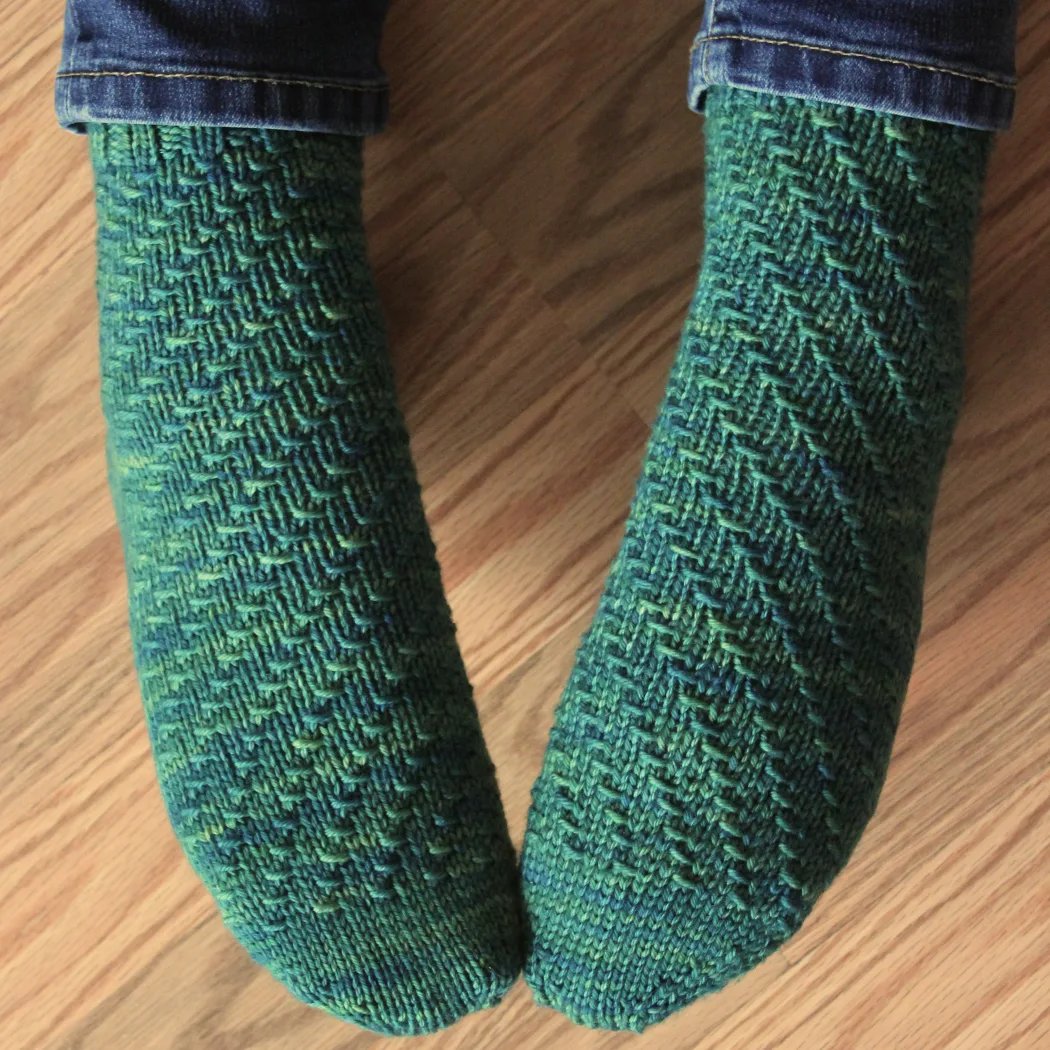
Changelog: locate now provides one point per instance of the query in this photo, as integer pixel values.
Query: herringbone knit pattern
(311, 721)
(727, 727)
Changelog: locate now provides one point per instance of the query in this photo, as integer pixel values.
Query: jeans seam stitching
(711, 29)
(377, 86)
(1009, 85)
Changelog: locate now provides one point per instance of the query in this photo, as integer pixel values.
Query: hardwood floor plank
(473, 343)
(931, 961)
(527, 525)
(481, 83)
(517, 713)
(44, 170)
(610, 234)
(209, 994)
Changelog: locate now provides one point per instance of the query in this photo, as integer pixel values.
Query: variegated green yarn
(728, 723)
(313, 728)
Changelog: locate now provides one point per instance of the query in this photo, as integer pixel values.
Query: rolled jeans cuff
(944, 60)
(302, 65)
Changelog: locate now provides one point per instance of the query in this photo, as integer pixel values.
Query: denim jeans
(946, 60)
(310, 65)
(313, 65)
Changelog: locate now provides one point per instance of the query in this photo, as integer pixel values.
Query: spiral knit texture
(312, 725)
(728, 723)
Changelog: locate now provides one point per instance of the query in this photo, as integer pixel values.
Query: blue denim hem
(300, 65)
(220, 99)
(865, 81)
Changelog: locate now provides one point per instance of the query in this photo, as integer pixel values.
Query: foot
(727, 727)
(313, 729)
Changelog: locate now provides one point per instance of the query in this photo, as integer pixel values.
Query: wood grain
(534, 219)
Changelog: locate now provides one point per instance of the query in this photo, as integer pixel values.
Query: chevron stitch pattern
(726, 729)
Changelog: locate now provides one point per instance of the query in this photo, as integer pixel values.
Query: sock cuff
(119, 145)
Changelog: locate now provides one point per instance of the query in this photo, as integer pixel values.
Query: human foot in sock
(727, 726)
(312, 725)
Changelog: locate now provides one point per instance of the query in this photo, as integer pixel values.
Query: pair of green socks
(727, 726)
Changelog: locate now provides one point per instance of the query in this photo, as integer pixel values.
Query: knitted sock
(727, 727)
(312, 724)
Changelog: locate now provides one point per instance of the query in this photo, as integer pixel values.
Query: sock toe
(625, 949)
(414, 983)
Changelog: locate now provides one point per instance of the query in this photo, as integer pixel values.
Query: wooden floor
(534, 220)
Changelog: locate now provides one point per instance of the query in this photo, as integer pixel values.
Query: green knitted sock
(311, 721)
(727, 727)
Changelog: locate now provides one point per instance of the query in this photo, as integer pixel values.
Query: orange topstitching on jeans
(1009, 84)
